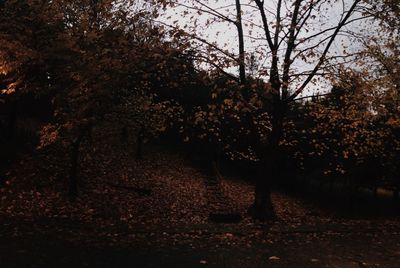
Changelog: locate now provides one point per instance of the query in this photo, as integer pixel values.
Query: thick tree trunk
(262, 208)
(269, 170)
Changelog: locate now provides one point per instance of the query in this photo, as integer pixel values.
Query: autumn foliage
(70, 68)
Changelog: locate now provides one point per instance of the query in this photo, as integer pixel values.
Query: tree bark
(139, 143)
(11, 122)
(269, 169)
(239, 26)
(396, 192)
(124, 133)
(262, 208)
(73, 174)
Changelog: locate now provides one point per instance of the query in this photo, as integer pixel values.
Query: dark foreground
(325, 244)
(154, 213)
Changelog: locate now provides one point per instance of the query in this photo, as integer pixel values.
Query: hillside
(128, 210)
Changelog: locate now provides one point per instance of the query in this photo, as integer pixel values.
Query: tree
(26, 36)
(345, 134)
(113, 69)
(87, 54)
(381, 66)
(353, 129)
(283, 35)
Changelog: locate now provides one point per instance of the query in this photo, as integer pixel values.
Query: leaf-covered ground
(154, 213)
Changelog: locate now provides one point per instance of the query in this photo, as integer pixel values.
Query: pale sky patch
(224, 34)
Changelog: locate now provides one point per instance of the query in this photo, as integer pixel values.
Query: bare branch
(307, 14)
(312, 96)
(333, 28)
(322, 58)
(195, 37)
(267, 32)
(301, 52)
(214, 11)
(287, 61)
(278, 24)
(210, 12)
(218, 67)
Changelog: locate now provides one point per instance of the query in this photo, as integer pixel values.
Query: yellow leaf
(274, 258)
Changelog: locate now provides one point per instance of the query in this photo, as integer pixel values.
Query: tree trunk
(216, 157)
(262, 208)
(139, 143)
(239, 26)
(11, 122)
(73, 174)
(396, 192)
(269, 169)
(124, 134)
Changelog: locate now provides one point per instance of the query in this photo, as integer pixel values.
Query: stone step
(217, 201)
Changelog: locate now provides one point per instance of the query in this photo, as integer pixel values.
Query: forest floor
(154, 213)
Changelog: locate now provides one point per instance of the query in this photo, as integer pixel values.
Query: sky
(224, 34)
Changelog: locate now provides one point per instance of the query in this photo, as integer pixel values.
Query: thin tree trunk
(124, 133)
(11, 122)
(396, 192)
(139, 143)
(239, 26)
(216, 157)
(73, 174)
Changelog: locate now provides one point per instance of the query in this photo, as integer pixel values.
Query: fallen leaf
(274, 258)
